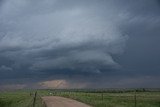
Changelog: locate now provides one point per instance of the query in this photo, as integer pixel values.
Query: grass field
(116, 99)
(19, 99)
(25, 98)
(111, 99)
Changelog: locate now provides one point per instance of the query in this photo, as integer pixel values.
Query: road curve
(55, 101)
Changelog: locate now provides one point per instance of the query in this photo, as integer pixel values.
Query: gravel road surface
(55, 101)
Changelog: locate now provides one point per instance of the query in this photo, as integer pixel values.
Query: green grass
(109, 99)
(19, 99)
(126, 99)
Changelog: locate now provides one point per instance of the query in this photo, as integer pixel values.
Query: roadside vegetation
(95, 98)
(111, 98)
(116, 99)
(20, 99)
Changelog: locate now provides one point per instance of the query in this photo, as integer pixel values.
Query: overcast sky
(79, 43)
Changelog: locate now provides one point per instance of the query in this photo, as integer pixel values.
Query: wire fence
(132, 99)
(101, 99)
(36, 100)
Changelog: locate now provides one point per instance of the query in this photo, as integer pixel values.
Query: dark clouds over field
(79, 43)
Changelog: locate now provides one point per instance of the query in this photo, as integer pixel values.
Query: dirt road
(54, 101)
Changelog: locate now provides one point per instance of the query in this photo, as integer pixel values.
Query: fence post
(34, 100)
(135, 99)
(102, 96)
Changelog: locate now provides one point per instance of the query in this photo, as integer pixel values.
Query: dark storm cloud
(26, 33)
(57, 37)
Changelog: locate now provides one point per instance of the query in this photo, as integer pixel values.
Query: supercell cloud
(77, 38)
(49, 39)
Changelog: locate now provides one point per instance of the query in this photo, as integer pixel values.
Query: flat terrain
(95, 98)
(55, 101)
(113, 99)
(19, 99)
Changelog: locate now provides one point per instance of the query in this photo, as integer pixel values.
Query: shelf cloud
(58, 37)
(69, 38)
